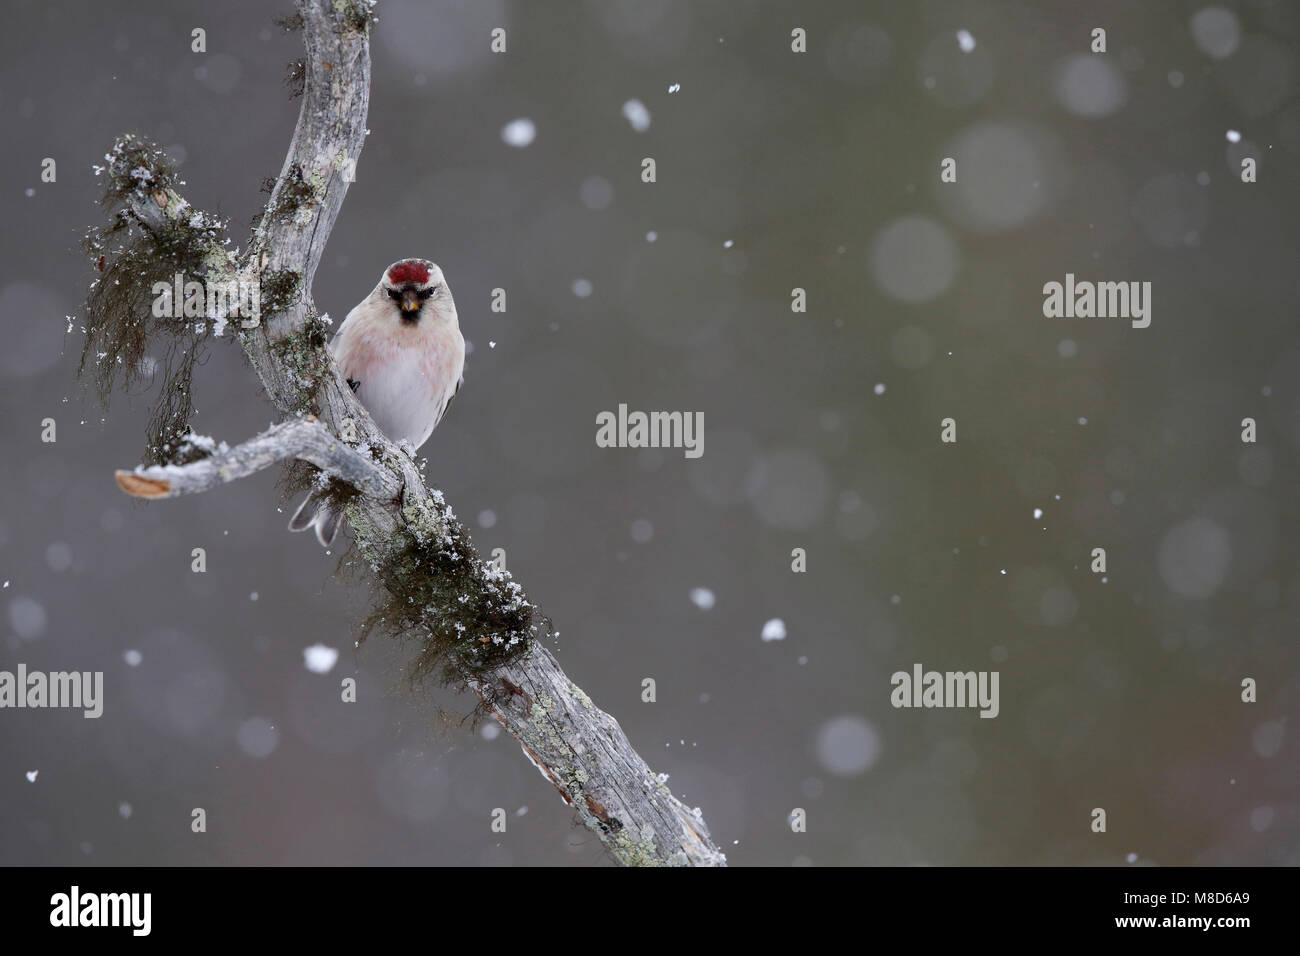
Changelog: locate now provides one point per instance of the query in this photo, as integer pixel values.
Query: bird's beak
(410, 301)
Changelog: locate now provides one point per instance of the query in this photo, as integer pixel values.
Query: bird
(402, 353)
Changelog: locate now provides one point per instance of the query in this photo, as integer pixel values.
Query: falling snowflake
(519, 133)
(319, 658)
(637, 115)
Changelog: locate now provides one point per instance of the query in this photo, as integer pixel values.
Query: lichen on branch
(468, 617)
(121, 324)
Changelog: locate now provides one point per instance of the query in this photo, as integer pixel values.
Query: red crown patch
(408, 272)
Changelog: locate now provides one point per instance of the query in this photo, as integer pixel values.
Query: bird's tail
(315, 512)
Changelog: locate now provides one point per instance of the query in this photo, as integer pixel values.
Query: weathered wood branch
(580, 749)
(305, 439)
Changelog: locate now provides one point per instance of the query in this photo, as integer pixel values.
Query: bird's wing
(338, 348)
(442, 411)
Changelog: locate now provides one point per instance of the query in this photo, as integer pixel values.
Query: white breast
(407, 375)
(403, 402)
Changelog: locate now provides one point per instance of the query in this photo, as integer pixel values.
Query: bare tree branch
(303, 438)
(580, 749)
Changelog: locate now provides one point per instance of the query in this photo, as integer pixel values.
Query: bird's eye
(394, 294)
(425, 293)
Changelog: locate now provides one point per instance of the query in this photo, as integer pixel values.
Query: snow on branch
(478, 629)
(304, 439)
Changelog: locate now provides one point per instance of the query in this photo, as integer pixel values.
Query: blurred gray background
(775, 170)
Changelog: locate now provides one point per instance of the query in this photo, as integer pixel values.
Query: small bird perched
(402, 352)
